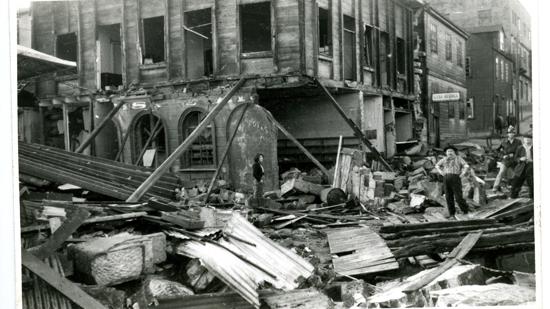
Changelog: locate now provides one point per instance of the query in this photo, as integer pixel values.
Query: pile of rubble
(363, 238)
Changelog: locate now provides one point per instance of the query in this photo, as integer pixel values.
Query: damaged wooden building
(159, 66)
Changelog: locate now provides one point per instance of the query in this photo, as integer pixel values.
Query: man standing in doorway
(507, 150)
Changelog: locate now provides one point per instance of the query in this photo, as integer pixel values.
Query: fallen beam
(354, 127)
(457, 254)
(165, 166)
(61, 234)
(66, 287)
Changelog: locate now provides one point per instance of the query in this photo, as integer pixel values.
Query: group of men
(515, 155)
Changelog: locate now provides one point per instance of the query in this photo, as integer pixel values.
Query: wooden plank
(458, 253)
(492, 212)
(131, 215)
(420, 226)
(66, 287)
(62, 233)
(176, 154)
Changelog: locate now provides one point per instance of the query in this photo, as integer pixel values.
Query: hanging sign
(450, 96)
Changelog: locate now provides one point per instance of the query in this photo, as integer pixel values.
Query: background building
(514, 41)
(444, 93)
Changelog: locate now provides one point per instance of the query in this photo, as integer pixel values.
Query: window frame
(256, 54)
(184, 160)
(143, 42)
(329, 32)
(433, 38)
(448, 47)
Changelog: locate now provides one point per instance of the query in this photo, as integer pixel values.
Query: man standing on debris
(452, 167)
(508, 149)
(258, 174)
(524, 169)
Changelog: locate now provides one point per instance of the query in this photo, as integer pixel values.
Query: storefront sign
(450, 96)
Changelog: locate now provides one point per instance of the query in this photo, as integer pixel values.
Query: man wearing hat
(507, 150)
(524, 168)
(452, 167)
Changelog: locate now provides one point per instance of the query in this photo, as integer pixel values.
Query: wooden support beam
(122, 145)
(457, 254)
(297, 143)
(163, 168)
(153, 135)
(225, 153)
(96, 131)
(356, 130)
(66, 133)
(62, 233)
(58, 282)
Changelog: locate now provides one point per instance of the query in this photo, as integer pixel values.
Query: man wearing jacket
(258, 174)
(508, 149)
(524, 168)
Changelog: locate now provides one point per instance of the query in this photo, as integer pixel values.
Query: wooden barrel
(333, 196)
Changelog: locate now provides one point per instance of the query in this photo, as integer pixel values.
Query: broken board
(369, 252)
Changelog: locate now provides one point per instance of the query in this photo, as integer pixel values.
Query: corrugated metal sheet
(273, 263)
(32, 63)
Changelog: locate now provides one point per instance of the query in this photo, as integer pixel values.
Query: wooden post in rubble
(155, 176)
(297, 143)
(354, 127)
(225, 153)
(96, 131)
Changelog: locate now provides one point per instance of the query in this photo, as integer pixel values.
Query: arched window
(202, 151)
(149, 141)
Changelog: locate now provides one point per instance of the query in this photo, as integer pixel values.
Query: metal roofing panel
(31, 63)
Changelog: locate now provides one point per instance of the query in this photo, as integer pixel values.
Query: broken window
(109, 55)
(433, 38)
(255, 21)
(384, 39)
(459, 52)
(349, 48)
(369, 46)
(153, 40)
(201, 152)
(66, 46)
(401, 56)
(484, 17)
(448, 47)
(198, 43)
(501, 40)
(325, 33)
(149, 141)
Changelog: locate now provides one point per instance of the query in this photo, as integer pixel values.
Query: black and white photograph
(274, 154)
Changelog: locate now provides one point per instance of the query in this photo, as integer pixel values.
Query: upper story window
(325, 33)
(369, 46)
(433, 38)
(198, 43)
(448, 47)
(468, 67)
(501, 40)
(66, 46)
(459, 52)
(153, 40)
(497, 67)
(255, 22)
(484, 17)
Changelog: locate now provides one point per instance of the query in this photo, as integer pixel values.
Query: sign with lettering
(450, 96)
